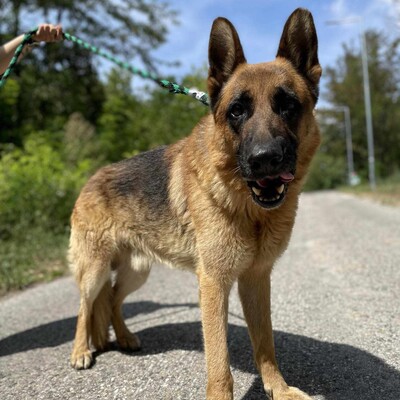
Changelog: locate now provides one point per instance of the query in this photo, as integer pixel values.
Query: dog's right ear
(225, 53)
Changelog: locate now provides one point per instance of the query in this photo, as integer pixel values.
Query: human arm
(45, 33)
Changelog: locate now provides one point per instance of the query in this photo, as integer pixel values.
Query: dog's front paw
(83, 360)
(291, 393)
(220, 396)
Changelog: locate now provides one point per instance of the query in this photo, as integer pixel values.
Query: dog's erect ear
(225, 53)
(299, 45)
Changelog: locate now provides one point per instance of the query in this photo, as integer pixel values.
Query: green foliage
(386, 192)
(80, 144)
(121, 111)
(37, 189)
(133, 27)
(33, 255)
(168, 118)
(130, 125)
(326, 172)
(8, 116)
(62, 78)
(37, 192)
(345, 87)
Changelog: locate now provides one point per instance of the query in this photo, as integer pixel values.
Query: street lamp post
(367, 97)
(368, 112)
(349, 140)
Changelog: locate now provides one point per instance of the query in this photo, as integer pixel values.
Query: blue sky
(260, 23)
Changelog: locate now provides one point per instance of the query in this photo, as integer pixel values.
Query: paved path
(336, 314)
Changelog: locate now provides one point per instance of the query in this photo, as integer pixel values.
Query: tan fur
(210, 226)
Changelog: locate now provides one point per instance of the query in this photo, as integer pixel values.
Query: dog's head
(265, 111)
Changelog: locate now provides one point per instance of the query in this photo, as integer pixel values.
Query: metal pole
(367, 97)
(349, 139)
(368, 113)
(349, 143)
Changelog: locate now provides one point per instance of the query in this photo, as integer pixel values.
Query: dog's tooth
(256, 190)
(281, 188)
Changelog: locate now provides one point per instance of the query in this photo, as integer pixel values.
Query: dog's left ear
(299, 45)
(225, 53)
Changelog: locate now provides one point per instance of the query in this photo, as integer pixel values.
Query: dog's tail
(101, 317)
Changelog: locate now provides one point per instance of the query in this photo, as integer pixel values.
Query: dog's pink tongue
(286, 177)
(263, 183)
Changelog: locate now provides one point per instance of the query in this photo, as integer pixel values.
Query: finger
(48, 33)
(56, 34)
(40, 33)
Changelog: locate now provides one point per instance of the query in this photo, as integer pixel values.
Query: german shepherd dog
(220, 202)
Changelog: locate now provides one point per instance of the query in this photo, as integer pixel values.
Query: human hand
(48, 33)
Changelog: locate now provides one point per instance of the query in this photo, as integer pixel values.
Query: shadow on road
(62, 331)
(336, 371)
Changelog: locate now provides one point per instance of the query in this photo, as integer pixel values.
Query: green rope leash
(170, 86)
(26, 39)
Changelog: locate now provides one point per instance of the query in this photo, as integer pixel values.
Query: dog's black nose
(266, 160)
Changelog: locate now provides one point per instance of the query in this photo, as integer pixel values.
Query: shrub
(36, 187)
(37, 193)
(326, 172)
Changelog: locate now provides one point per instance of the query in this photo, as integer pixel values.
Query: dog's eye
(286, 104)
(287, 109)
(237, 110)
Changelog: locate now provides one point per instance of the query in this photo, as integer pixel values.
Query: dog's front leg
(254, 291)
(214, 293)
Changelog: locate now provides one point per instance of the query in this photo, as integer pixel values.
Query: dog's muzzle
(268, 169)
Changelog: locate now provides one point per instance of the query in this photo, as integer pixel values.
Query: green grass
(387, 191)
(31, 256)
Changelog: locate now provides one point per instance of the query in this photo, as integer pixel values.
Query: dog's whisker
(236, 170)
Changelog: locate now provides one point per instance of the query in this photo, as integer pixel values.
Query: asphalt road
(336, 317)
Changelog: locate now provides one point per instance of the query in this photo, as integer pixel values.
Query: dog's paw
(291, 393)
(129, 342)
(220, 396)
(82, 360)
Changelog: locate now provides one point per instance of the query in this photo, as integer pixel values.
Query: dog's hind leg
(93, 277)
(132, 273)
(101, 318)
(90, 258)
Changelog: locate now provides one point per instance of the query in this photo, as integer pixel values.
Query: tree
(130, 124)
(130, 27)
(345, 87)
(122, 112)
(59, 79)
(167, 118)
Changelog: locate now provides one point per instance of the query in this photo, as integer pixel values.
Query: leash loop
(170, 86)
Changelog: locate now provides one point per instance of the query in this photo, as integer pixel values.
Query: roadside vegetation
(387, 191)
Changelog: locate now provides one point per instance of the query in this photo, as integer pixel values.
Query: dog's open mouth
(270, 191)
